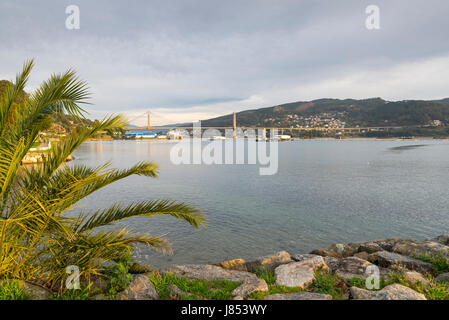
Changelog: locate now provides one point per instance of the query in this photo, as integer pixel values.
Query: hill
(342, 113)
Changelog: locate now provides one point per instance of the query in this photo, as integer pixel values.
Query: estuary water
(325, 191)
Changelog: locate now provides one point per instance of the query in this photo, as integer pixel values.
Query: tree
(37, 239)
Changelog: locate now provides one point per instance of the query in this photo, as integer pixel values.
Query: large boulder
(409, 247)
(294, 275)
(391, 292)
(444, 277)
(301, 273)
(140, 288)
(342, 250)
(299, 296)
(387, 244)
(352, 267)
(269, 262)
(249, 281)
(369, 247)
(388, 259)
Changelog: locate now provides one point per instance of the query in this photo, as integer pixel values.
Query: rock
(299, 274)
(443, 239)
(299, 296)
(352, 267)
(140, 288)
(137, 268)
(444, 277)
(326, 253)
(409, 247)
(294, 275)
(414, 277)
(250, 286)
(369, 247)
(235, 264)
(387, 259)
(391, 292)
(362, 255)
(176, 292)
(249, 281)
(304, 256)
(387, 244)
(332, 263)
(342, 249)
(34, 291)
(100, 296)
(269, 262)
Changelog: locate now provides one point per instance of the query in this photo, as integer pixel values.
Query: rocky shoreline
(297, 276)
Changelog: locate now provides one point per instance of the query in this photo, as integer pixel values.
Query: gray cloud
(191, 59)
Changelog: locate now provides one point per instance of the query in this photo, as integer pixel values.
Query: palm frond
(115, 213)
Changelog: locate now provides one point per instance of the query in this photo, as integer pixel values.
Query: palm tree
(37, 239)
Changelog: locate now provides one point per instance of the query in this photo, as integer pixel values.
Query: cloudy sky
(187, 60)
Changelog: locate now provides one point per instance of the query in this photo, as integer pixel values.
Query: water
(326, 191)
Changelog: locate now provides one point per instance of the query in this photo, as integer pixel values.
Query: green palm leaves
(37, 239)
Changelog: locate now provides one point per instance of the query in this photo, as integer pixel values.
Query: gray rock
(299, 296)
(249, 286)
(414, 277)
(342, 250)
(352, 267)
(387, 244)
(34, 291)
(332, 263)
(388, 259)
(362, 255)
(249, 281)
(140, 288)
(294, 274)
(391, 292)
(326, 253)
(303, 256)
(269, 262)
(444, 277)
(409, 247)
(370, 247)
(443, 239)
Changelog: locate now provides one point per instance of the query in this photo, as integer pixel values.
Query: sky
(189, 60)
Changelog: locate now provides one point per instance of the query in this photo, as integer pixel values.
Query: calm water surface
(325, 192)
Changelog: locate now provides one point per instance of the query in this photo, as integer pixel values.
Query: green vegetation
(440, 263)
(433, 291)
(267, 275)
(79, 294)
(329, 283)
(37, 238)
(195, 289)
(274, 289)
(11, 290)
(118, 277)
